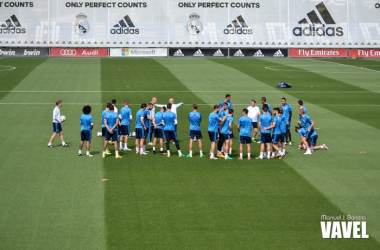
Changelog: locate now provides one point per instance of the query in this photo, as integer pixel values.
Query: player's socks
(262, 154)
(80, 152)
(273, 153)
(116, 152)
(154, 148)
(268, 154)
(230, 152)
(241, 155)
(121, 145)
(249, 155)
(161, 149)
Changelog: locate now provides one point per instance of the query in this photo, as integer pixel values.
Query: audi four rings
(68, 52)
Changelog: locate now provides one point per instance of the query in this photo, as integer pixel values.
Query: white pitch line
(202, 104)
(313, 71)
(352, 66)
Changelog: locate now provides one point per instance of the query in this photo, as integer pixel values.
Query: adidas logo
(238, 26)
(12, 26)
(239, 53)
(258, 54)
(178, 53)
(278, 54)
(198, 53)
(125, 26)
(218, 53)
(317, 25)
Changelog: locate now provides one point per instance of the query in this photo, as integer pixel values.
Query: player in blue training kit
(222, 113)
(245, 127)
(308, 125)
(276, 137)
(264, 102)
(311, 142)
(214, 121)
(148, 121)
(169, 130)
(140, 129)
(158, 125)
(288, 115)
(86, 125)
(226, 100)
(195, 119)
(225, 133)
(125, 128)
(265, 121)
(111, 121)
(300, 105)
(104, 129)
(283, 130)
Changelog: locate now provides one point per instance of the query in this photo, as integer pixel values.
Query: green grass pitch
(53, 199)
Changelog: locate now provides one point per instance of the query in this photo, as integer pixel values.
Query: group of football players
(272, 126)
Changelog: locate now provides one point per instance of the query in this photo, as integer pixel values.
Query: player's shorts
(113, 136)
(57, 127)
(213, 136)
(104, 130)
(276, 138)
(146, 132)
(265, 138)
(308, 134)
(313, 140)
(224, 137)
(232, 135)
(85, 135)
(245, 140)
(282, 137)
(254, 124)
(124, 130)
(158, 133)
(195, 133)
(140, 133)
(170, 135)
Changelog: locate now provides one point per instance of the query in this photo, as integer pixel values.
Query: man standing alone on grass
(245, 127)
(111, 122)
(169, 130)
(195, 119)
(86, 125)
(57, 129)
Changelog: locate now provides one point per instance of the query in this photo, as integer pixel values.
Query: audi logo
(377, 6)
(68, 52)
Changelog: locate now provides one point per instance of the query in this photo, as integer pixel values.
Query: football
(99, 134)
(62, 118)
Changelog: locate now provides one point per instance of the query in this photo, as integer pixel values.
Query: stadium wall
(188, 52)
(200, 24)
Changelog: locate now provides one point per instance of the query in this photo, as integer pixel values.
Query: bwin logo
(316, 27)
(238, 26)
(125, 26)
(12, 26)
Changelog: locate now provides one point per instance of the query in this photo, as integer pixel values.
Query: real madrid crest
(194, 26)
(82, 26)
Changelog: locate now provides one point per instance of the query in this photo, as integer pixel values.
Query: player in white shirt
(57, 129)
(254, 113)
